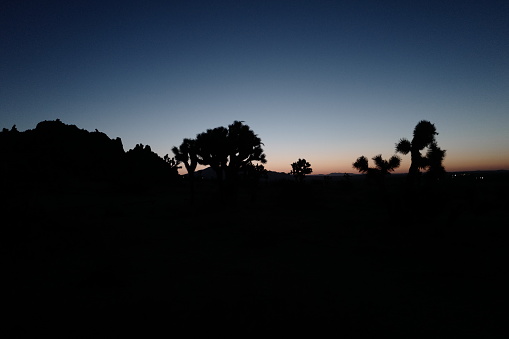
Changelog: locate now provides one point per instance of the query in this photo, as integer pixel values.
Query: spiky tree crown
(382, 166)
(424, 134)
(244, 145)
(361, 164)
(300, 168)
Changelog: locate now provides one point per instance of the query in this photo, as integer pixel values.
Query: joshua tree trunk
(414, 172)
(191, 186)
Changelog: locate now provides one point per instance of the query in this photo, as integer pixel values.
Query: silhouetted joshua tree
(300, 168)
(186, 154)
(173, 165)
(435, 157)
(380, 171)
(212, 149)
(228, 150)
(424, 137)
(244, 148)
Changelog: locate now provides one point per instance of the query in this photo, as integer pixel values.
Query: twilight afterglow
(327, 81)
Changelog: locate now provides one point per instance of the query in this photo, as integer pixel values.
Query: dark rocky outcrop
(56, 152)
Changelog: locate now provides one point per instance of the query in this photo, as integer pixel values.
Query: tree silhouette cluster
(424, 137)
(54, 149)
(226, 150)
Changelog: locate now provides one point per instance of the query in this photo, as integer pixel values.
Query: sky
(327, 81)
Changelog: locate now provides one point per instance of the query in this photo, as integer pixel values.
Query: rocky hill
(55, 151)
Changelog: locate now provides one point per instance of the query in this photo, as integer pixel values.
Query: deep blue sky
(328, 81)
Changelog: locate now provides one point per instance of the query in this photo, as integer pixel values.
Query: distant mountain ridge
(208, 173)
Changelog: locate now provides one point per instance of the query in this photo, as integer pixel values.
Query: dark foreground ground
(324, 255)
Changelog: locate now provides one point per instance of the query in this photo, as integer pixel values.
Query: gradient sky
(327, 81)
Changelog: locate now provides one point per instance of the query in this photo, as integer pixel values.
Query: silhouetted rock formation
(56, 152)
(146, 167)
